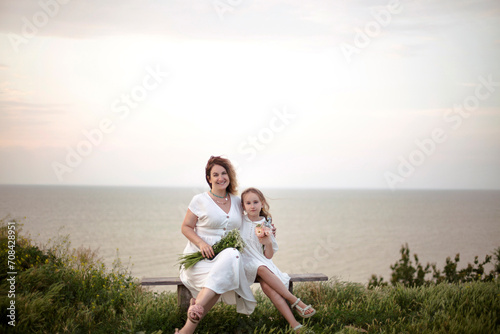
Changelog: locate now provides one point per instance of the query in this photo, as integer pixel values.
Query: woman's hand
(206, 250)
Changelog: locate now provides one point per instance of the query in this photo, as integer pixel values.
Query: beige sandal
(195, 312)
(302, 311)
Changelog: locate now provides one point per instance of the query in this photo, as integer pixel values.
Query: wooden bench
(184, 295)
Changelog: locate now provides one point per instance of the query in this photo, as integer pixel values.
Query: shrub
(408, 274)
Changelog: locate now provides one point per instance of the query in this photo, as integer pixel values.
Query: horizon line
(271, 187)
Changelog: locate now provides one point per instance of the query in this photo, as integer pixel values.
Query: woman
(210, 216)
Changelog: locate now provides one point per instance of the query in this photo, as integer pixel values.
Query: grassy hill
(63, 290)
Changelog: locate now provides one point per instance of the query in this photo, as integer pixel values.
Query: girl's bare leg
(279, 302)
(275, 283)
(206, 298)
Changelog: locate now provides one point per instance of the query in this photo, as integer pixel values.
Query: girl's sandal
(195, 312)
(296, 328)
(302, 311)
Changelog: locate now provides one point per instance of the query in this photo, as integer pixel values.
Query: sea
(349, 235)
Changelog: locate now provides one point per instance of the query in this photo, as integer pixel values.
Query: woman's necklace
(218, 202)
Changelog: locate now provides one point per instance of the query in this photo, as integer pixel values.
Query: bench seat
(183, 294)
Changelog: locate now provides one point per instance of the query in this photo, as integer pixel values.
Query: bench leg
(290, 288)
(183, 297)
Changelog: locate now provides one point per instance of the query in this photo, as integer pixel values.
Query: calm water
(346, 234)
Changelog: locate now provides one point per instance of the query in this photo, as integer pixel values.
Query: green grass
(63, 290)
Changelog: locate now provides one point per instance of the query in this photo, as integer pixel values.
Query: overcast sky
(332, 94)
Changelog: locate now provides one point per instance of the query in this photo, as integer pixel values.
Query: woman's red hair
(233, 183)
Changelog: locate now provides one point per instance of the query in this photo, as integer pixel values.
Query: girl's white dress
(225, 273)
(253, 253)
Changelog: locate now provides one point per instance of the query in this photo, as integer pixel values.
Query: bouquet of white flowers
(231, 240)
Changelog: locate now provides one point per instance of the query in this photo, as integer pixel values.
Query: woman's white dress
(253, 253)
(225, 273)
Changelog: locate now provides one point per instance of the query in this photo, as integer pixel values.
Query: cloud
(417, 27)
(7, 93)
(28, 124)
(32, 108)
(313, 22)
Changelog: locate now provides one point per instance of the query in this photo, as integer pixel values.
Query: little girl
(257, 256)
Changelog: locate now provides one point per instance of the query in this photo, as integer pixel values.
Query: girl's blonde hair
(264, 212)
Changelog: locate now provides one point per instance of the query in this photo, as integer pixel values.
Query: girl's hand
(265, 240)
(273, 229)
(262, 231)
(206, 250)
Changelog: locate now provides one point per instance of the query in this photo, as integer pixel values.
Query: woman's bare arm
(187, 229)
